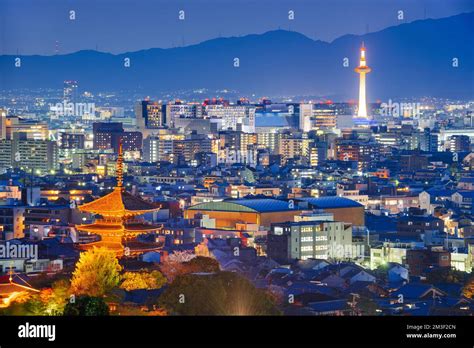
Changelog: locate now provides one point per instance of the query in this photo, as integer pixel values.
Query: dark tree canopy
(202, 264)
(222, 293)
(87, 306)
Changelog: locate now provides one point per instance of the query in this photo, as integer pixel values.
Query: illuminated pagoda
(117, 225)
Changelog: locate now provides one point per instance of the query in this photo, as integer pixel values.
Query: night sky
(34, 26)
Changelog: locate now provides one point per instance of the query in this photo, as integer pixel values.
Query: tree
(202, 264)
(181, 256)
(143, 280)
(198, 264)
(174, 264)
(222, 293)
(366, 306)
(468, 289)
(446, 275)
(55, 300)
(96, 273)
(49, 301)
(87, 306)
(172, 269)
(381, 272)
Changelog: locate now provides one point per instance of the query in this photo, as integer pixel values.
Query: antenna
(120, 166)
(10, 278)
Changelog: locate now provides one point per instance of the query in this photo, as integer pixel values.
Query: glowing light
(362, 70)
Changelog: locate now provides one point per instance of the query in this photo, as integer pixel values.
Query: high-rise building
(325, 116)
(179, 110)
(293, 148)
(318, 153)
(363, 152)
(104, 132)
(362, 70)
(108, 135)
(306, 113)
(151, 149)
(3, 124)
(460, 143)
(269, 141)
(310, 239)
(131, 141)
(150, 115)
(70, 140)
(29, 129)
(39, 156)
(428, 141)
(163, 147)
(234, 117)
(70, 91)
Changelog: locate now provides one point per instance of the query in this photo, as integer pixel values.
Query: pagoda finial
(120, 165)
(10, 278)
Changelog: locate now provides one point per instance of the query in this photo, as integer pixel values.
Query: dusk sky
(34, 26)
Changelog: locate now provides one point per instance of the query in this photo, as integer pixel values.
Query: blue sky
(34, 26)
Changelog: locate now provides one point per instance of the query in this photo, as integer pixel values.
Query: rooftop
(118, 203)
(332, 202)
(246, 205)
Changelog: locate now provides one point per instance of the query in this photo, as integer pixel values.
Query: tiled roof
(245, 205)
(329, 306)
(332, 202)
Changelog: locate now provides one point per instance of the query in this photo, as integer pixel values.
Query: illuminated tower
(116, 220)
(362, 70)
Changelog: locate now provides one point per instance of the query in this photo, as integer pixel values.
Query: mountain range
(408, 60)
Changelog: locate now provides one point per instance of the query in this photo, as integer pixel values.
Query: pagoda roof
(119, 203)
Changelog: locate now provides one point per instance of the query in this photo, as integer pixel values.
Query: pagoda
(117, 225)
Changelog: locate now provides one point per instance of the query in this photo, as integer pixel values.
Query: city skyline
(405, 55)
(261, 174)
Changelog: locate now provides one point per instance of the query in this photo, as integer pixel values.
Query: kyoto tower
(362, 69)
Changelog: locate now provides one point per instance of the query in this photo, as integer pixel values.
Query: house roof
(416, 290)
(466, 194)
(332, 202)
(329, 306)
(118, 203)
(245, 205)
(467, 179)
(440, 192)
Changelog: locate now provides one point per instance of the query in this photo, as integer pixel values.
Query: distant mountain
(413, 59)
